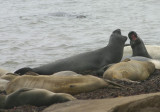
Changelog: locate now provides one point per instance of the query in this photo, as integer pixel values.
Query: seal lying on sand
(137, 45)
(72, 84)
(154, 61)
(35, 97)
(93, 60)
(130, 69)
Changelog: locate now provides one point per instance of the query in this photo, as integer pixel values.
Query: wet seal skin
(93, 60)
(137, 45)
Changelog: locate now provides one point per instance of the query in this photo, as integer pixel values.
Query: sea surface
(36, 32)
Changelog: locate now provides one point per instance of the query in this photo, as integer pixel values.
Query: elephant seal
(72, 84)
(154, 61)
(137, 45)
(130, 69)
(93, 60)
(35, 97)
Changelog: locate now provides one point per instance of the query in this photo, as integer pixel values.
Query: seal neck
(140, 50)
(115, 51)
(115, 46)
(2, 101)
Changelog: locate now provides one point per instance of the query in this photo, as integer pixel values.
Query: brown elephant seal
(130, 69)
(58, 84)
(35, 97)
(89, 61)
(137, 45)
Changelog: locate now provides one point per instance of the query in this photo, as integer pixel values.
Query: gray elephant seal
(137, 45)
(93, 60)
(130, 70)
(35, 97)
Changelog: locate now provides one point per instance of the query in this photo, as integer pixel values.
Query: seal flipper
(24, 90)
(24, 70)
(103, 69)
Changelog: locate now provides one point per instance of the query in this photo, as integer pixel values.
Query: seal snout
(132, 35)
(117, 31)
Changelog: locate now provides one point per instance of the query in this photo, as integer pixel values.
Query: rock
(111, 104)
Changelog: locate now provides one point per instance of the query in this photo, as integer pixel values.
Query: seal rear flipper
(24, 70)
(24, 90)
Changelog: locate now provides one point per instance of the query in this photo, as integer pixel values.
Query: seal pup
(93, 60)
(35, 97)
(72, 84)
(137, 45)
(129, 70)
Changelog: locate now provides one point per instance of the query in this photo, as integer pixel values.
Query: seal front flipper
(103, 69)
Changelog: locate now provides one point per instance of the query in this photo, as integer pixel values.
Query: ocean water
(35, 32)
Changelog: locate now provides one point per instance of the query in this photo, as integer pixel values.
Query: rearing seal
(137, 45)
(93, 60)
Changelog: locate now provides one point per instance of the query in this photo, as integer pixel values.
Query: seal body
(137, 45)
(93, 60)
(35, 97)
(130, 69)
(154, 61)
(72, 84)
